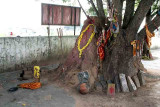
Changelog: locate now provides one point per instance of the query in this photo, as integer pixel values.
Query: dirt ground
(58, 95)
(49, 95)
(145, 96)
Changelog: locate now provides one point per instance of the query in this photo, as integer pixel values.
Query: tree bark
(152, 25)
(148, 16)
(118, 5)
(101, 12)
(119, 59)
(146, 49)
(129, 11)
(140, 13)
(118, 54)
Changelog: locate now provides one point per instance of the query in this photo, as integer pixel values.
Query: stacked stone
(125, 83)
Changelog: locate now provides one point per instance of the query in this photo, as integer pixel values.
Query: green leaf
(66, 1)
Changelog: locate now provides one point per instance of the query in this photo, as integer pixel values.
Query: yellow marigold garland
(80, 38)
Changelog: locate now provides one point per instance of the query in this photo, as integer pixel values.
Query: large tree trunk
(73, 64)
(118, 53)
(118, 59)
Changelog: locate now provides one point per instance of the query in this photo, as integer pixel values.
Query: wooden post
(74, 21)
(49, 42)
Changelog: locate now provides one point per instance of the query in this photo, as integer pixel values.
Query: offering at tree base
(111, 89)
(131, 85)
(37, 72)
(80, 38)
(100, 65)
(149, 36)
(136, 47)
(117, 84)
(136, 81)
(123, 82)
(141, 78)
(83, 86)
(110, 50)
(33, 85)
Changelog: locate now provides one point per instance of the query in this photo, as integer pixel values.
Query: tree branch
(155, 6)
(118, 4)
(152, 25)
(101, 12)
(140, 13)
(100, 8)
(82, 8)
(153, 14)
(148, 16)
(94, 7)
(129, 11)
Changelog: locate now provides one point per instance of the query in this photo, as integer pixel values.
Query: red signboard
(57, 15)
(60, 15)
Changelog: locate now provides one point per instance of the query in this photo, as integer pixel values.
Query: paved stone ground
(47, 96)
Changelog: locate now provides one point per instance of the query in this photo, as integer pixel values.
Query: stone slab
(83, 77)
(141, 78)
(131, 85)
(136, 81)
(117, 84)
(123, 82)
(102, 82)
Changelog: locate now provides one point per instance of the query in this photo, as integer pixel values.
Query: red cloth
(101, 47)
(101, 52)
(107, 36)
(31, 85)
